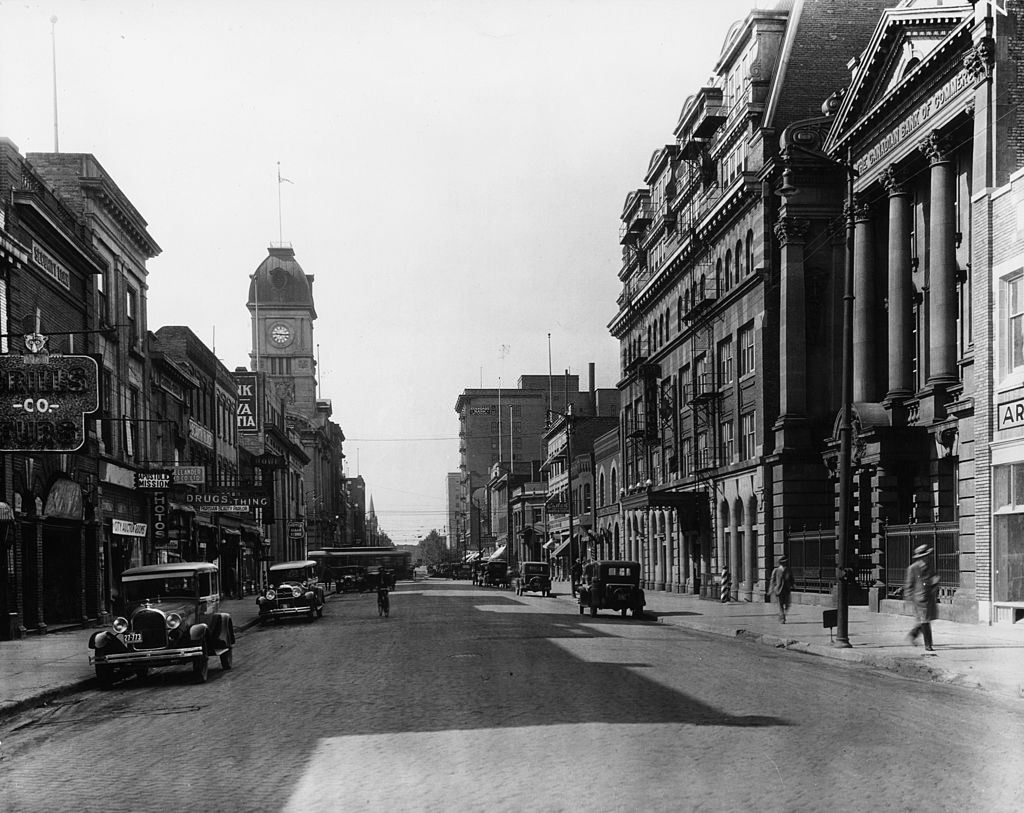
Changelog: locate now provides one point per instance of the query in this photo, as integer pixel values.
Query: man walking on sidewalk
(781, 585)
(921, 589)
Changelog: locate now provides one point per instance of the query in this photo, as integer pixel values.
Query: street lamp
(843, 521)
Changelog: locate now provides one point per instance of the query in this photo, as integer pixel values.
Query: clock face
(280, 334)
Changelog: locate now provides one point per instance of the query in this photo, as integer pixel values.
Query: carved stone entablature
(894, 181)
(980, 59)
(791, 229)
(936, 147)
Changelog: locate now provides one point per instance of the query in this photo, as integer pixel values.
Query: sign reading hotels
(44, 398)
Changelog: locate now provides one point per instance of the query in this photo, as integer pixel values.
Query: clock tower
(281, 308)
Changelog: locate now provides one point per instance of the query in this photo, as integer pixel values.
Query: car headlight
(296, 592)
(173, 621)
(271, 594)
(120, 624)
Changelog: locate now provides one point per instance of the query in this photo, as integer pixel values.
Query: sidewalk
(39, 668)
(979, 656)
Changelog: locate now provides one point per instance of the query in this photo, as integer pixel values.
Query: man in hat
(921, 589)
(781, 585)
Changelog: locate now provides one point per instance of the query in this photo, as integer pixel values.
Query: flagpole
(53, 42)
(280, 230)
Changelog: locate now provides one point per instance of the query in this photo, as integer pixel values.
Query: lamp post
(843, 520)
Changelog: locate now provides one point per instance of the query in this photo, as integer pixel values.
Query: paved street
(473, 699)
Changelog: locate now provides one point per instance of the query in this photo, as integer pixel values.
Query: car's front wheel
(227, 659)
(201, 668)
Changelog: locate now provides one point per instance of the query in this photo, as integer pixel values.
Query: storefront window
(1008, 536)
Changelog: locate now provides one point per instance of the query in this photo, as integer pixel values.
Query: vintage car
(534, 577)
(170, 617)
(495, 574)
(611, 585)
(292, 590)
(350, 579)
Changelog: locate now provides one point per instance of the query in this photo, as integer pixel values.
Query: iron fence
(812, 558)
(944, 540)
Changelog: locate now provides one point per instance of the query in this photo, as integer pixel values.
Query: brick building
(710, 442)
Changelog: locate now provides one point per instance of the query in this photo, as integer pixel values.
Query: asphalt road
(471, 699)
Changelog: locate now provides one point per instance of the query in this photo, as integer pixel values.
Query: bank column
(941, 263)
(899, 286)
(864, 326)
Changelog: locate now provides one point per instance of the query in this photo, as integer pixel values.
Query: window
(679, 314)
(703, 459)
(728, 270)
(1015, 322)
(702, 376)
(746, 341)
(1008, 525)
(601, 495)
(750, 252)
(748, 437)
(725, 361)
(4, 323)
(132, 312)
(685, 453)
(586, 497)
(728, 442)
(615, 491)
(102, 304)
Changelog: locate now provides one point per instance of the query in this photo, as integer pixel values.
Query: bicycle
(383, 602)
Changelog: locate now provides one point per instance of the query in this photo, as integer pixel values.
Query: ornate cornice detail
(980, 59)
(791, 229)
(894, 181)
(936, 147)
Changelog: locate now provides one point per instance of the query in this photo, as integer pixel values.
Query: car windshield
(294, 574)
(157, 587)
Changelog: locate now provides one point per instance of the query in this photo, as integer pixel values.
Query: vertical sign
(160, 518)
(247, 419)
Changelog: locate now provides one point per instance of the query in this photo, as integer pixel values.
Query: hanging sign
(44, 398)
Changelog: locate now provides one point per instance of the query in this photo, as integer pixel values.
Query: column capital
(790, 229)
(980, 59)
(894, 180)
(936, 148)
(862, 210)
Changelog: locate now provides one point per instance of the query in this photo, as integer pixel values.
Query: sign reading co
(44, 398)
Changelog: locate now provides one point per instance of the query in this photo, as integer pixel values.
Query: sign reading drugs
(247, 418)
(44, 398)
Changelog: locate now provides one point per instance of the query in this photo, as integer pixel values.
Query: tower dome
(280, 281)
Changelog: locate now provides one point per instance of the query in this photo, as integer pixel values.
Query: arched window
(601, 495)
(615, 491)
(750, 251)
(668, 322)
(728, 269)
(679, 314)
(661, 330)
(740, 271)
(718, 275)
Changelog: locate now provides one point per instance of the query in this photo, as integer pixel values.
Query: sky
(454, 172)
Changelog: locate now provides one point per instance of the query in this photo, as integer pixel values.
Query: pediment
(907, 38)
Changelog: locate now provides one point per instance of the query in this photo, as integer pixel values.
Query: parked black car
(611, 585)
(171, 616)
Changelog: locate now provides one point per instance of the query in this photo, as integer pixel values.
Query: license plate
(133, 637)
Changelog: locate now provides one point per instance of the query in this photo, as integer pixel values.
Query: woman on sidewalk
(921, 589)
(781, 585)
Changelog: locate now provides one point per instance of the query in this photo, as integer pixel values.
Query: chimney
(593, 392)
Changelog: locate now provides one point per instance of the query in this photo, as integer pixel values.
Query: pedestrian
(725, 585)
(575, 574)
(781, 585)
(921, 589)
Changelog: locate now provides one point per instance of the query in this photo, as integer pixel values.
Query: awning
(231, 531)
(472, 556)
(560, 547)
(184, 509)
(499, 554)
(6, 514)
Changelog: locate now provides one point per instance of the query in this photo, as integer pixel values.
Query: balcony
(704, 388)
(711, 112)
(704, 297)
(636, 216)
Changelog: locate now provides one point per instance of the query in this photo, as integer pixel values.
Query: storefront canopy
(498, 555)
(472, 556)
(560, 547)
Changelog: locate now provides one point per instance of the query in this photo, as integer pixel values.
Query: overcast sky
(457, 173)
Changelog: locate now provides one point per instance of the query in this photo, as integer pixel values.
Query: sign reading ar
(44, 398)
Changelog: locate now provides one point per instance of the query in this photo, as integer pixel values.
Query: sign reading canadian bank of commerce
(44, 398)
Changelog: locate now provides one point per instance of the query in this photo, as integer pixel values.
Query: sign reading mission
(44, 399)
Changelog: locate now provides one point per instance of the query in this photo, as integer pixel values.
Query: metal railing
(899, 543)
(812, 559)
